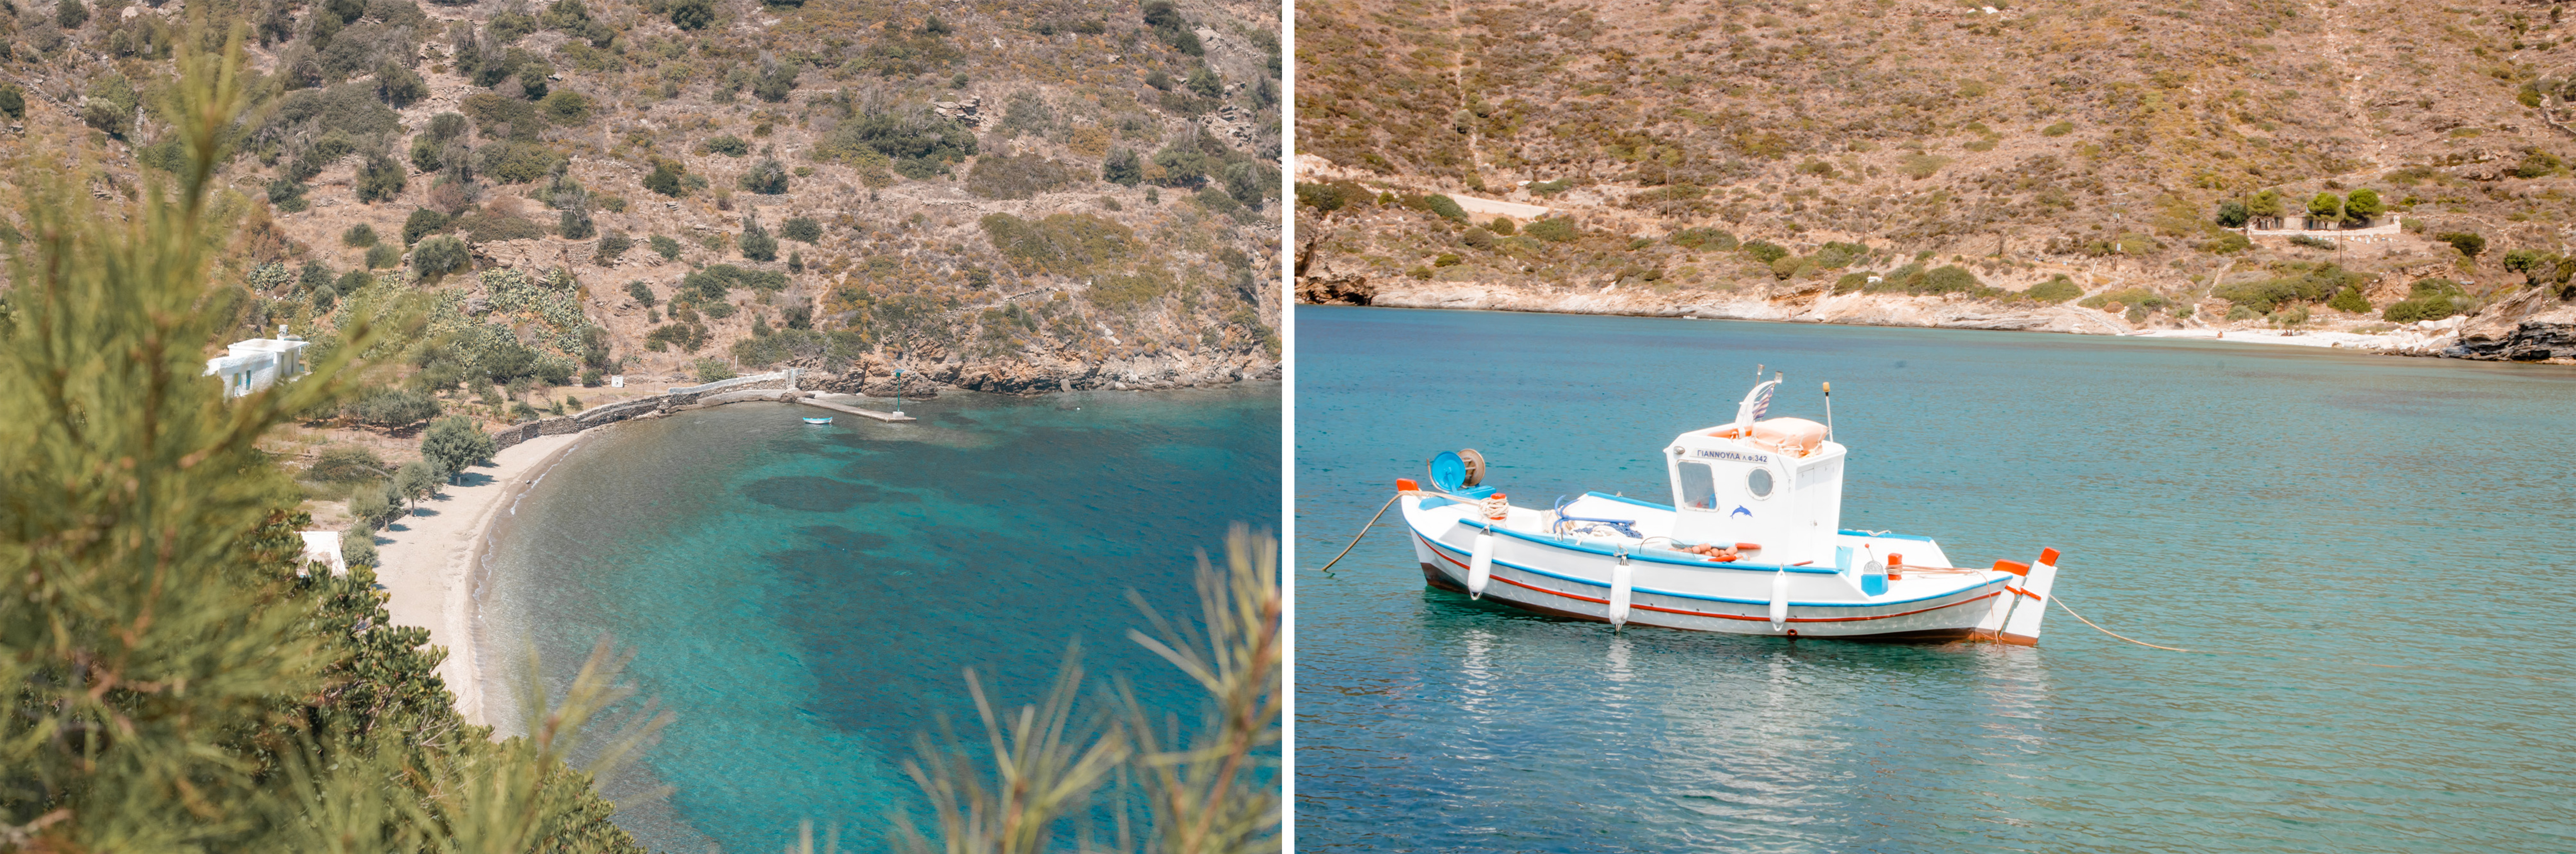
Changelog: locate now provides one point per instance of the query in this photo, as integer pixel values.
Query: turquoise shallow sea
(2371, 552)
(805, 597)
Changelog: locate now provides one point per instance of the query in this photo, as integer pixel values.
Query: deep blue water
(805, 598)
(2372, 551)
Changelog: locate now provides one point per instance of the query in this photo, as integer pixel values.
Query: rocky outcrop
(1346, 289)
(1170, 369)
(2534, 326)
(2530, 342)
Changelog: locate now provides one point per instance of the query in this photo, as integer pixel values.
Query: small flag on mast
(1762, 400)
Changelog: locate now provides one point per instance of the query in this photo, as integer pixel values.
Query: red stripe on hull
(1433, 572)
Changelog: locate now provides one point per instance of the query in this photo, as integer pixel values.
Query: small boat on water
(821, 420)
(1752, 543)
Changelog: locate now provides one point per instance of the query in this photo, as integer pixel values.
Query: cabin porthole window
(1759, 483)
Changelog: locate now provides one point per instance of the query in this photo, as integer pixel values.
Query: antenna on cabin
(1829, 412)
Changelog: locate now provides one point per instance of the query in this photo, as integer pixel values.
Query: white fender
(1480, 565)
(1621, 576)
(2023, 628)
(1779, 600)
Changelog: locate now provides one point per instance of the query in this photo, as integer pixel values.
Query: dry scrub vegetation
(1876, 143)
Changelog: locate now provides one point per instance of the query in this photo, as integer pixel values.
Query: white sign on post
(617, 381)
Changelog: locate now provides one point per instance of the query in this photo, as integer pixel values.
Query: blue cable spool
(1448, 472)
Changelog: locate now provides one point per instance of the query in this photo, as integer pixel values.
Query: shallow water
(2370, 551)
(805, 597)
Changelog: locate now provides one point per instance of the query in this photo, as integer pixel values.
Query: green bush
(1553, 229)
(369, 507)
(711, 369)
(380, 179)
(641, 292)
(1123, 168)
(1765, 251)
(383, 256)
(2350, 301)
(2469, 243)
(13, 101)
(2429, 299)
(801, 229)
(421, 223)
(567, 108)
(359, 236)
(666, 247)
(692, 14)
(920, 144)
(1951, 279)
(347, 464)
(1171, 28)
(391, 407)
(439, 255)
(2297, 284)
(686, 337)
(612, 246)
(497, 117)
(2058, 129)
(1444, 206)
(2057, 289)
(1062, 244)
(1478, 238)
(2227, 244)
(777, 82)
(766, 177)
(728, 145)
(351, 282)
(755, 241)
(1705, 239)
(1503, 225)
(517, 162)
(665, 178)
(2231, 214)
(2538, 164)
(287, 194)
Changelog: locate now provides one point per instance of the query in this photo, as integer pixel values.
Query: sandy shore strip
(430, 565)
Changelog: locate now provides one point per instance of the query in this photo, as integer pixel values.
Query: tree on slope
(452, 443)
(169, 681)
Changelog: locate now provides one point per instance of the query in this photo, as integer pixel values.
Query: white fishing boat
(826, 419)
(1752, 543)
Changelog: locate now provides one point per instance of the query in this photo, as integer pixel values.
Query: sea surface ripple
(2368, 553)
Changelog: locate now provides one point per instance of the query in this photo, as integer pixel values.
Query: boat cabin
(1777, 482)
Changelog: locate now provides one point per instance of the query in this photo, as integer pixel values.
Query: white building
(323, 547)
(259, 363)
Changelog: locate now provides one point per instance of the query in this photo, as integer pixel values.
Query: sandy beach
(430, 563)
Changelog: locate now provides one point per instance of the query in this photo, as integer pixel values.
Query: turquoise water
(2372, 551)
(804, 598)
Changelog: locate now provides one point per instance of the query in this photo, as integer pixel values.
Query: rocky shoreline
(2530, 327)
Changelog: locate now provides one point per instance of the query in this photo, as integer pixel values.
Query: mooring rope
(1364, 529)
(2061, 604)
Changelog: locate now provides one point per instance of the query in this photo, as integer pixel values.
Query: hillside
(1011, 197)
(2032, 166)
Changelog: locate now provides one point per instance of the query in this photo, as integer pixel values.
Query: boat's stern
(2016, 616)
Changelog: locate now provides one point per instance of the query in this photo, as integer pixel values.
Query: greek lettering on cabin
(1731, 455)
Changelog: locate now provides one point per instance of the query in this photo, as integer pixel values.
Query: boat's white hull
(1581, 580)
